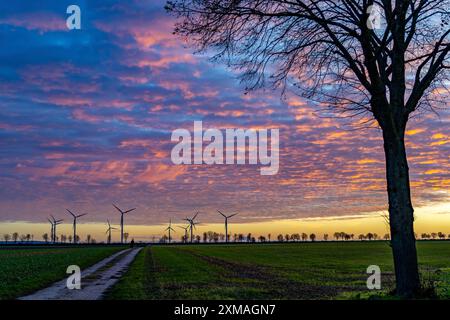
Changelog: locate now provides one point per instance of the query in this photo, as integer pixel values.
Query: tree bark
(401, 215)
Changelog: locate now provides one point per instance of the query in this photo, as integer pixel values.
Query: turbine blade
(221, 214)
(80, 215)
(195, 216)
(71, 213)
(117, 208)
(130, 210)
(232, 215)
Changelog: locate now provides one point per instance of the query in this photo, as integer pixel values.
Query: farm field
(24, 270)
(273, 271)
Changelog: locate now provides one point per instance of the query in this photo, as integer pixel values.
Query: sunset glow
(86, 119)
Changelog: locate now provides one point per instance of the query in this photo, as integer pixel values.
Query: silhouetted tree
(312, 236)
(125, 236)
(164, 239)
(15, 236)
(434, 235)
(304, 236)
(325, 237)
(45, 237)
(337, 235)
(387, 236)
(441, 235)
(88, 238)
(280, 238)
(335, 56)
(6, 237)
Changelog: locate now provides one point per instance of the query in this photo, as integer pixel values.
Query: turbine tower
(108, 231)
(226, 223)
(185, 233)
(192, 224)
(51, 230)
(169, 228)
(75, 217)
(121, 220)
(55, 223)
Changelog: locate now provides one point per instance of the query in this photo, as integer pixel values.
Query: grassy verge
(278, 271)
(25, 270)
(138, 282)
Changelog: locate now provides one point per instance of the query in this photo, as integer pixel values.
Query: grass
(25, 270)
(331, 270)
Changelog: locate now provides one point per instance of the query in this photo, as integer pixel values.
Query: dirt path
(95, 280)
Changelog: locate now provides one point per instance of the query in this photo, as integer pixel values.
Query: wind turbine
(169, 228)
(121, 220)
(192, 224)
(75, 217)
(55, 223)
(185, 232)
(51, 230)
(226, 223)
(108, 231)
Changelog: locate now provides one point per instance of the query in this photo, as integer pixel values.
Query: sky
(86, 118)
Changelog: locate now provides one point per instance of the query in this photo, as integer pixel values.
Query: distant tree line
(24, 238)
(215, 237)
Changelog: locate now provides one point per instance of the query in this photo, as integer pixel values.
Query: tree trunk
(401, 216)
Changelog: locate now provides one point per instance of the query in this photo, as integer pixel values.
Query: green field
(25, 270)
(274, 271)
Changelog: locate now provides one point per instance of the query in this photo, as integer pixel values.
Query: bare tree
(330, 53)
(6, 237)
